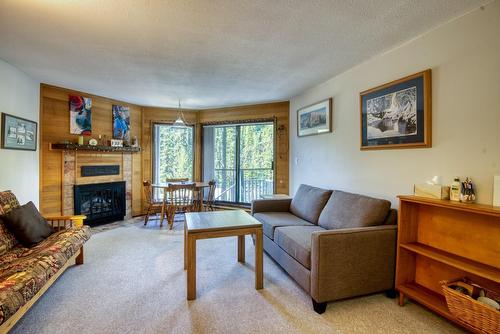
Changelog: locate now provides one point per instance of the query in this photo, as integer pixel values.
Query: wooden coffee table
(219, 224)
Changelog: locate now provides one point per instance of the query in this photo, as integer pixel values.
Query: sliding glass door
(240, 158)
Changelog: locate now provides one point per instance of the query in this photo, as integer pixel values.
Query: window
(172, 153)
(240, 158)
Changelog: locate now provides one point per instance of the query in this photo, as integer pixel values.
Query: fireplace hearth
(100, 202)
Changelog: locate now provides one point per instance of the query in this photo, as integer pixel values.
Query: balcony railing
(253, 182)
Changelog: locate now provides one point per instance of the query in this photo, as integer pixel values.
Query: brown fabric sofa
(26, 273)
(334, 244)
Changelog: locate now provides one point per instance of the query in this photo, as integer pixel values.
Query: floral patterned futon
(24, 271)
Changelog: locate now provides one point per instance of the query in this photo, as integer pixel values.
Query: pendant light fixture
(180, 122)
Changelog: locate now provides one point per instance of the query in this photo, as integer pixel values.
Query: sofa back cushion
(346, 210)
(27, 224)
(308, 202)
(8, 201)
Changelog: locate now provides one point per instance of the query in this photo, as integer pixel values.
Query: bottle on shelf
(455, 190)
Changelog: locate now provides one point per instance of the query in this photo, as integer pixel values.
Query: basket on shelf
(468, 310)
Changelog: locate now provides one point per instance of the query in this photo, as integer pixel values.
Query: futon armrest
(352, 262)
(271, 205)
(64, 222)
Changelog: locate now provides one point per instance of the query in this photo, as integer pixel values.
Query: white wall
(464, 56)
(19, 95)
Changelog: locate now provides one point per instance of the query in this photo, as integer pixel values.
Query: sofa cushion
(24, 271)
(27, 224)
(296, 241)
(8, 201)
(346, 210)
(7, 239)
(308, 202)
(271, 220)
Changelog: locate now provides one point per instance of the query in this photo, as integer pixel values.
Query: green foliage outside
(175, 152)
(256, 161)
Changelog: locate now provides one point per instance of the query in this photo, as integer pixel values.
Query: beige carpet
(133, 282)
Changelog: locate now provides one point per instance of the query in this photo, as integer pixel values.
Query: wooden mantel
(96, 148)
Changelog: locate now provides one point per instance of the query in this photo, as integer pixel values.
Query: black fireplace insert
(100, 202)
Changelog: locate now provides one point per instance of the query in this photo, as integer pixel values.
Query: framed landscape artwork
(121, 123)
(397, 114)
(315, 119)
(80, 115)
(18, 133)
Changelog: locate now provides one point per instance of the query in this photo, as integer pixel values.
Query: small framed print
(315, 119)
(397, 114)
(18, 133)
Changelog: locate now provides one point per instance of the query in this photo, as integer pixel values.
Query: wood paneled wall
(54, 127)
(278, 111)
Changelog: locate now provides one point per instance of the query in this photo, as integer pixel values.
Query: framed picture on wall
(397, 114)
(121, 123)
(80, 115)
(18, 133)
(315, 118)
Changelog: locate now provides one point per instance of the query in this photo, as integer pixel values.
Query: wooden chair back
(177, 180)
(181, 196)
(148, 192)
(211, 195)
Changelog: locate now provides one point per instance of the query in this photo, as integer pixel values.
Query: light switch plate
(496, 191)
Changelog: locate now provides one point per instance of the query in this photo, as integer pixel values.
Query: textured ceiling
(209, 53)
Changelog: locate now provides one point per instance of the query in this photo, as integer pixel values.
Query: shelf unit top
(469, 207)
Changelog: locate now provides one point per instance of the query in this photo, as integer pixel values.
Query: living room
(242, 166)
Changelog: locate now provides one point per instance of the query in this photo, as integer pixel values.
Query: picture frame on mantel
(315, 119)
(18, 133)
(397, 114)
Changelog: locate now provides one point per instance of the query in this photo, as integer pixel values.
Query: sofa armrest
(352, 262)
(64, 222)
(271, 205)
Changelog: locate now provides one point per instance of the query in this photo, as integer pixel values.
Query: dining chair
(209, 203)
(154, 207)
(180, 198)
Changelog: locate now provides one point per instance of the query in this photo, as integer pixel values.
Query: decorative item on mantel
(135, 142)
(432, 189)
(116, 143)
(467, 191)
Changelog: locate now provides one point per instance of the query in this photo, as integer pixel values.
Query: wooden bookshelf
(443, 240)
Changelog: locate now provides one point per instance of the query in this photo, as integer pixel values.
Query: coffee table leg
(241, 248)
(185, 245)
(191, 268)
(259, 258)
